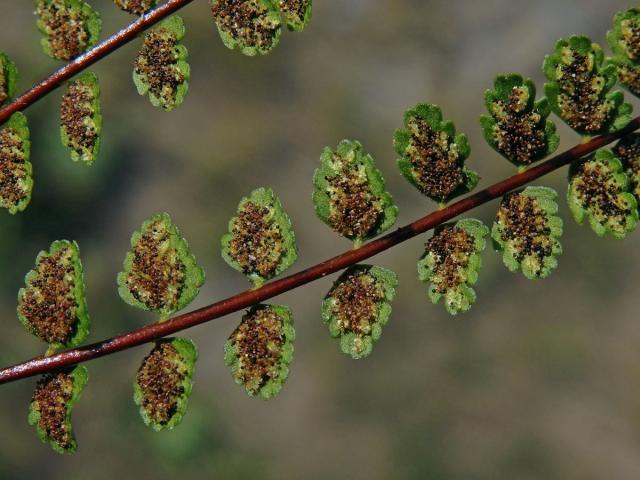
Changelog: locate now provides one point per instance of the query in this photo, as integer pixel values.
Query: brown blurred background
(539, 380)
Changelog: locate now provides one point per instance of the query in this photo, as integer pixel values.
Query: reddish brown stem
(245, 299)
(87, 59)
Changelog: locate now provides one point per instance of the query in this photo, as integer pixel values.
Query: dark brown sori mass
(50, 399)
(137, 7)
(579, 99)
(65, 29)
(157, 64)
(437, 167)
(245, 21)
(598, 192)
(295, 8)
(257, 243)
(629, 76)
(518, 134)
(12, 168)
(257, 342)
(49, 304)
(355, 211)
(157, 275)
(628, 151)
(160, 379)
(450, 248)
(357, 300)
(525, 225)
(631, 38)
(75, 108)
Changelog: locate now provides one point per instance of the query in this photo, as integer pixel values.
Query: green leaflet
(451, 262)
(261, 243)
(349, 193)
(260, 350)
(8, 78)
(16, 180)
(296, 13)
(517, 126)
(160, 273)
(358, 306)
(81, 118)
(251, 26)
(628, 75)
(137, 7)
(527, 231)
(161, 70)
(52, 305)
(579, 88)
(624, 40)
(600, 192)
(52, 405)
(628, 152)
(70, 27)
(433, 156)
(164, 382)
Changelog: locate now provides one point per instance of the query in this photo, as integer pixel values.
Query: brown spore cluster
(256, 244)
(157, 64)
(629, 76)
(50, 399)
(355, 210)
(580, 90)
(258, 342)
(631, 38)
(525, 225)
(598, 193)
(436, 162)
(48, 303)
(160, 378)
(137, 7)
(356, 302)
(157, 275)
(65, 28)
(246, 22)
(517, 132)
(450, 249)
(13, 168)
(75, 109)
(296, 8)
(628, 151)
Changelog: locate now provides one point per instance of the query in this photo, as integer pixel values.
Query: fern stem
(271, 289)
(87, 59)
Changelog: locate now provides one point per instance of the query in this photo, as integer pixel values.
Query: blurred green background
(539, 380)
